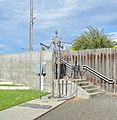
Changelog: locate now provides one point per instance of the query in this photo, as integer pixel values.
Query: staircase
(80, 87)
(87, 88)
(9, 85)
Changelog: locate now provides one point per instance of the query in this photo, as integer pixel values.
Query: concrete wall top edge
(46, 51)
(64, 51)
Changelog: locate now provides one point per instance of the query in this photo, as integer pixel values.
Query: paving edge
(53, 108)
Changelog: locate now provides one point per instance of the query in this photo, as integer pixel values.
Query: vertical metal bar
(107, 86)
(40, 71)
(74, 72)
(70, 89)
(66, 87)
(40, 68)
(62, 87)
(110, 88)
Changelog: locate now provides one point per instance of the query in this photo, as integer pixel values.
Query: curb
(52, 108)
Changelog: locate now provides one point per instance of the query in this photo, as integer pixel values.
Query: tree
(92, 39)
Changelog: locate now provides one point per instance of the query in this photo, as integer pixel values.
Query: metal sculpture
(56, 59)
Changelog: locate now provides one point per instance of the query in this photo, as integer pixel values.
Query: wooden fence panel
(102, 60)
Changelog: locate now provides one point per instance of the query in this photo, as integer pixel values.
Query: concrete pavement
(103, 107)
(31, 109)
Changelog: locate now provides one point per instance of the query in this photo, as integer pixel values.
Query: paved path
(30, 110)
(100, 108)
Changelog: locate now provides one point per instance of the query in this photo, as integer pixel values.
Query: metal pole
(31, 26)
(40, 71)
(62, 87)
(66, 87)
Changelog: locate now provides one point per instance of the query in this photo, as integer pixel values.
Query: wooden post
(31, 26)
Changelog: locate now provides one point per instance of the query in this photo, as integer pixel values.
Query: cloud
(69, 16)
(54, 13)
(2, 46)
(76, 13)
(113, 36)
(51, 14)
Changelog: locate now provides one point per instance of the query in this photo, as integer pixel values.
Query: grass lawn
(9, 98)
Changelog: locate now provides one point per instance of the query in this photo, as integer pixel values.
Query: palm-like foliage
(92, 39)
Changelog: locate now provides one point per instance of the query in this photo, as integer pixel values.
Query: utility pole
(31, 26)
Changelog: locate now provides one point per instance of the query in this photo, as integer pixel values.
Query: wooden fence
(102, 60)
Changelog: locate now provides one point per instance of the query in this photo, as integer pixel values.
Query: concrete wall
(21, 68)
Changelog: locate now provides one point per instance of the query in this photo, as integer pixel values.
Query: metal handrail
(89, 69)
(67, 64)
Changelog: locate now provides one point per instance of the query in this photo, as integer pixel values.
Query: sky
(69, 17)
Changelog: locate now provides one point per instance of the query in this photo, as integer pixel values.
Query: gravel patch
(99, 108)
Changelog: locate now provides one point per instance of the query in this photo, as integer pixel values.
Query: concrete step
(3, 80)
(6, 83)
(91, 89)
(87, 86)
(82, 83)
(14, 88)
(95, 93)
(79, 80)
